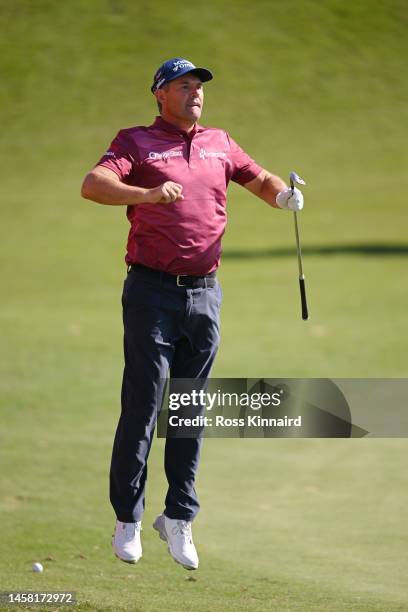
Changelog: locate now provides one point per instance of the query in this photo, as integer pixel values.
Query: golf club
(295, 178)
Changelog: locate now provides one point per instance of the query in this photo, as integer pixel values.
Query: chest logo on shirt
(165, 154)
(203, 154)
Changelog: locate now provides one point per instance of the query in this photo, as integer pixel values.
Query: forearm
(266, 186)
(271, 186)
(105, 189)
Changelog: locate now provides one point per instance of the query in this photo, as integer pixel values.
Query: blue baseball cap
(176, 67)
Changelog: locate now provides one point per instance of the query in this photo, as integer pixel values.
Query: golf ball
(38, 568)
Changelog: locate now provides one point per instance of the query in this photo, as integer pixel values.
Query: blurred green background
(318, 87)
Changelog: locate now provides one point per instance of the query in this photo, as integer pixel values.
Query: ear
(160, 95)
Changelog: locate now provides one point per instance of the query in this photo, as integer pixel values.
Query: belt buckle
(178, 280)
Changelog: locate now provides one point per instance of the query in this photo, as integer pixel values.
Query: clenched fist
(166, 193)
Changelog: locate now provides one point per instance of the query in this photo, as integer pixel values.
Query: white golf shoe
(179, 538)
(126, 541)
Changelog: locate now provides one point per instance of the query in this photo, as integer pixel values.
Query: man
(172, 176)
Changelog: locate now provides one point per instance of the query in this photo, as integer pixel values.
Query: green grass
(313, 86)
(306, 534)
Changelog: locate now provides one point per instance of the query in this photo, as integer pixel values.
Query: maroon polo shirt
(183, 237)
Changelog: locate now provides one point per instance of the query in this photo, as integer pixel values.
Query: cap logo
(159, 83)
(180, 64)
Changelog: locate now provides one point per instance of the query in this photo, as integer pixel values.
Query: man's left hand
(291, 199)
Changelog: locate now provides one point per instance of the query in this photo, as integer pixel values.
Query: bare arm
(266, 186)
(105, 187)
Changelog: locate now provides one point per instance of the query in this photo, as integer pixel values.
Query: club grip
(305, 313)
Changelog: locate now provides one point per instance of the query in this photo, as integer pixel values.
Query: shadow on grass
(383, 250)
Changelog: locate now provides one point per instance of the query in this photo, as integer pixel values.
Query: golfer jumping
(173, 177)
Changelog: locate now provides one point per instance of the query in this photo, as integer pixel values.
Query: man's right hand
(105, 186)
(165, 193)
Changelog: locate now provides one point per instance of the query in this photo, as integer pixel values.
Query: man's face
(182, 98)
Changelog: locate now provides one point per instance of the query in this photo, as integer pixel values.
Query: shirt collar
(169, 127)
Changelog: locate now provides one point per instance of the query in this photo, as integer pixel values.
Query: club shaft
(302, 286)
(299, 251)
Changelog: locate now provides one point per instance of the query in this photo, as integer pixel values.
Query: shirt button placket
(190, 150)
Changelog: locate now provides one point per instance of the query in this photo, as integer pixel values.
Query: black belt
(180, 280)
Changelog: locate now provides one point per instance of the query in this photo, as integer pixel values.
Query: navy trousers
(166, 328)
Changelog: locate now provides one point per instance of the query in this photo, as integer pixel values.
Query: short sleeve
(244, 168)
(118, 156)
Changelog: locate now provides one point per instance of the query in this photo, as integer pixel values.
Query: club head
(295, 178)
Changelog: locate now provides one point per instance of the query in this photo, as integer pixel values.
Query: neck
(185, 125)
